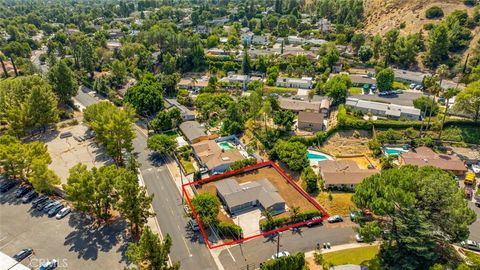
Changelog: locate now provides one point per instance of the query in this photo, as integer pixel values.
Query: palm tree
(441, 71)
(433, 87)
(294, 213)
(447, 95)
(266, 110)
(267, 213)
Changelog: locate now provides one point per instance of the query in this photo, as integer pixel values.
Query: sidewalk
(341, 247)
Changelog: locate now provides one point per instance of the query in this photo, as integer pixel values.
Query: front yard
(341, 203)
(360, 256)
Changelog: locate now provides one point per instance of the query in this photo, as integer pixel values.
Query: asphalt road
(475, 227)
(188, 248)
(258, 250)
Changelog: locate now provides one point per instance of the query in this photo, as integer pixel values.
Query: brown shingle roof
(347, 172)
(212, 155)
(310, 117)
(424, 156)
(299, 105)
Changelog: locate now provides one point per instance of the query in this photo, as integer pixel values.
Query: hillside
(383, 15)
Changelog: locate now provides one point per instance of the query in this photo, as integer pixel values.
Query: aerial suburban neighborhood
(240, 134)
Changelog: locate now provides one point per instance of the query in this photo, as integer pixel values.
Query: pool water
(316, 156)
(393, 151)
(226, 145)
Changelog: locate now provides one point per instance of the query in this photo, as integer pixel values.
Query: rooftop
(424, 156)
(192, 130)
(310, 117)
(347, 172)
(299, 105)
(212, 155)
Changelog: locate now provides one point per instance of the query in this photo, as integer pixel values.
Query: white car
(280, 254)
(476, 168)
(470, 244)
(359, 238)
(63, 212)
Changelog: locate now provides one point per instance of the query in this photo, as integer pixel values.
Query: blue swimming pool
(394, 151)
(317, 156)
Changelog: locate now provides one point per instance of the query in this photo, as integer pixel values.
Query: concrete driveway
(249, 222)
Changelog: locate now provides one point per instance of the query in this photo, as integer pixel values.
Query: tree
(358, 39)
(161, 143)
(113, 128)
(365, 53)
(447, 95)
(337, 87)
(146, 96)
(284, 119)
(293, 154)
(87, 56)
(41, 108)
(311, 180)
(418, 212)
(438, 44)
(134, 202)
(150, 253)
(246, 66)
(292, 262)
(119, 72)
(63, 81)
(389, 45)
(468, 100)
(165, 120)
(385, 79)
(206, 205)
(425, 103)
(272, 75)
(387, 162)
(101, 85)
(42, 178)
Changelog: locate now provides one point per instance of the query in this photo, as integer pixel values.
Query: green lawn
(359, 256)
(399, 85)
(355, 90)
(279, 90)
(187, 166)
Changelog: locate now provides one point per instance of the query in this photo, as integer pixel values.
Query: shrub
(242, 163)
(318, 258)
(292, 262)
(229, 229)
(269, 225)
(310, 178)
(374, 145)
(434, 12)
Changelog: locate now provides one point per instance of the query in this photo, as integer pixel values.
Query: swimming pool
(226, 145)
(393, 151)
(317, 156)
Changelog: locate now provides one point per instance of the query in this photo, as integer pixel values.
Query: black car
(39, 200)
(21, 191)
(54, 210)
(22, 254)
(6, 186)
(29, 196)
(42, 205)
(314, 221)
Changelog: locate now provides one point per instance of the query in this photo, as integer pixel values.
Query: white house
(304, 82)
(260, 39)
(236, 78)
(295, 40)
(246, 38)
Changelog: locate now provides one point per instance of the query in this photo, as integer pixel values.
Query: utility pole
(278, 245)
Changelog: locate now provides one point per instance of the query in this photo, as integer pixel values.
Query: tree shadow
(8, 197)
(88, 238)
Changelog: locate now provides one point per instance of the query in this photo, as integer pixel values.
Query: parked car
(314, 221)
(49, 265)
(193, 224)
(280, 254)
(42, 205)
(22, 254)
(412, 86)
(63, 212)
(47, 208)
(397, 91)
(7, 185)
(21, 191)
(419, 88)
(359, 238)
(54, 210)
(373, 88)
(39, 200)
(470, 244)
(65, 135)
(29, 196)
(384, 94)
(334, 219)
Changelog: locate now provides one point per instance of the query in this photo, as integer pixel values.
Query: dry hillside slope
(383, 15)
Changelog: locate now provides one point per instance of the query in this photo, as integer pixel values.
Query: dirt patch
(341, 203)
(287, 191)
(363, 161)
(345, 144)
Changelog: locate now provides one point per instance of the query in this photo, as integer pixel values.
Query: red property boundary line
(250, 168)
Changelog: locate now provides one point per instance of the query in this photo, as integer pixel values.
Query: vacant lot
(288, 192)
(67, 152)
(341, 203)
(345, 144)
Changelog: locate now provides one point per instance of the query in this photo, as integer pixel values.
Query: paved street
(258, 250)
(475, 227)
(167, 204)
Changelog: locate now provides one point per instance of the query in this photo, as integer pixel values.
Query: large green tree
(294, 154)
(468, 100)
(284, 119)
(113, 128)
(337, 87)
(162, 143)
(418, 212)
(438, 44)
(151, 253)
(63, 81)
(385, 79)
(146, 96)
(206, 206)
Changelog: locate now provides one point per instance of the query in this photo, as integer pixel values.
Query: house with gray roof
(384, 109)
(186, 113)
(243, 197)
(193, 131)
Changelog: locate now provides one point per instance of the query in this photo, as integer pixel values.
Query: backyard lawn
(341, 203)
(360, 256)
(355, 91)
(187, 166)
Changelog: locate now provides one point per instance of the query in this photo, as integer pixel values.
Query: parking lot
(405, 99)
(73, 241)
(67, 152)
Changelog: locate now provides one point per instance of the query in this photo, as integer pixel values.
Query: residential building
(233, 79)
(304, 82)
(243, 197)
(115, 34)
(193, 85)
(260, 39)
(295, 40)
(424, 156)
(384, 109)
(186, 113)
(213, 158)
(361, 80)
(315, 41)
(311, 121)
(246, 38)
(342, 173)
(324, 25)
(112, 45)
(298, 105)
(202, 29)
(217, 52)
(408, 76)
(194, 132)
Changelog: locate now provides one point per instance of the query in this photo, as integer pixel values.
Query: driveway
(73, 241)
(249, 222)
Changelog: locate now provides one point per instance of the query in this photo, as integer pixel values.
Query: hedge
(242, 163)
(292, 262)
(229, 229)
(280, 222)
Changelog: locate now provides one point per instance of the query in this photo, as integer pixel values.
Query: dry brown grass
(344, 144)
(341, 204)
